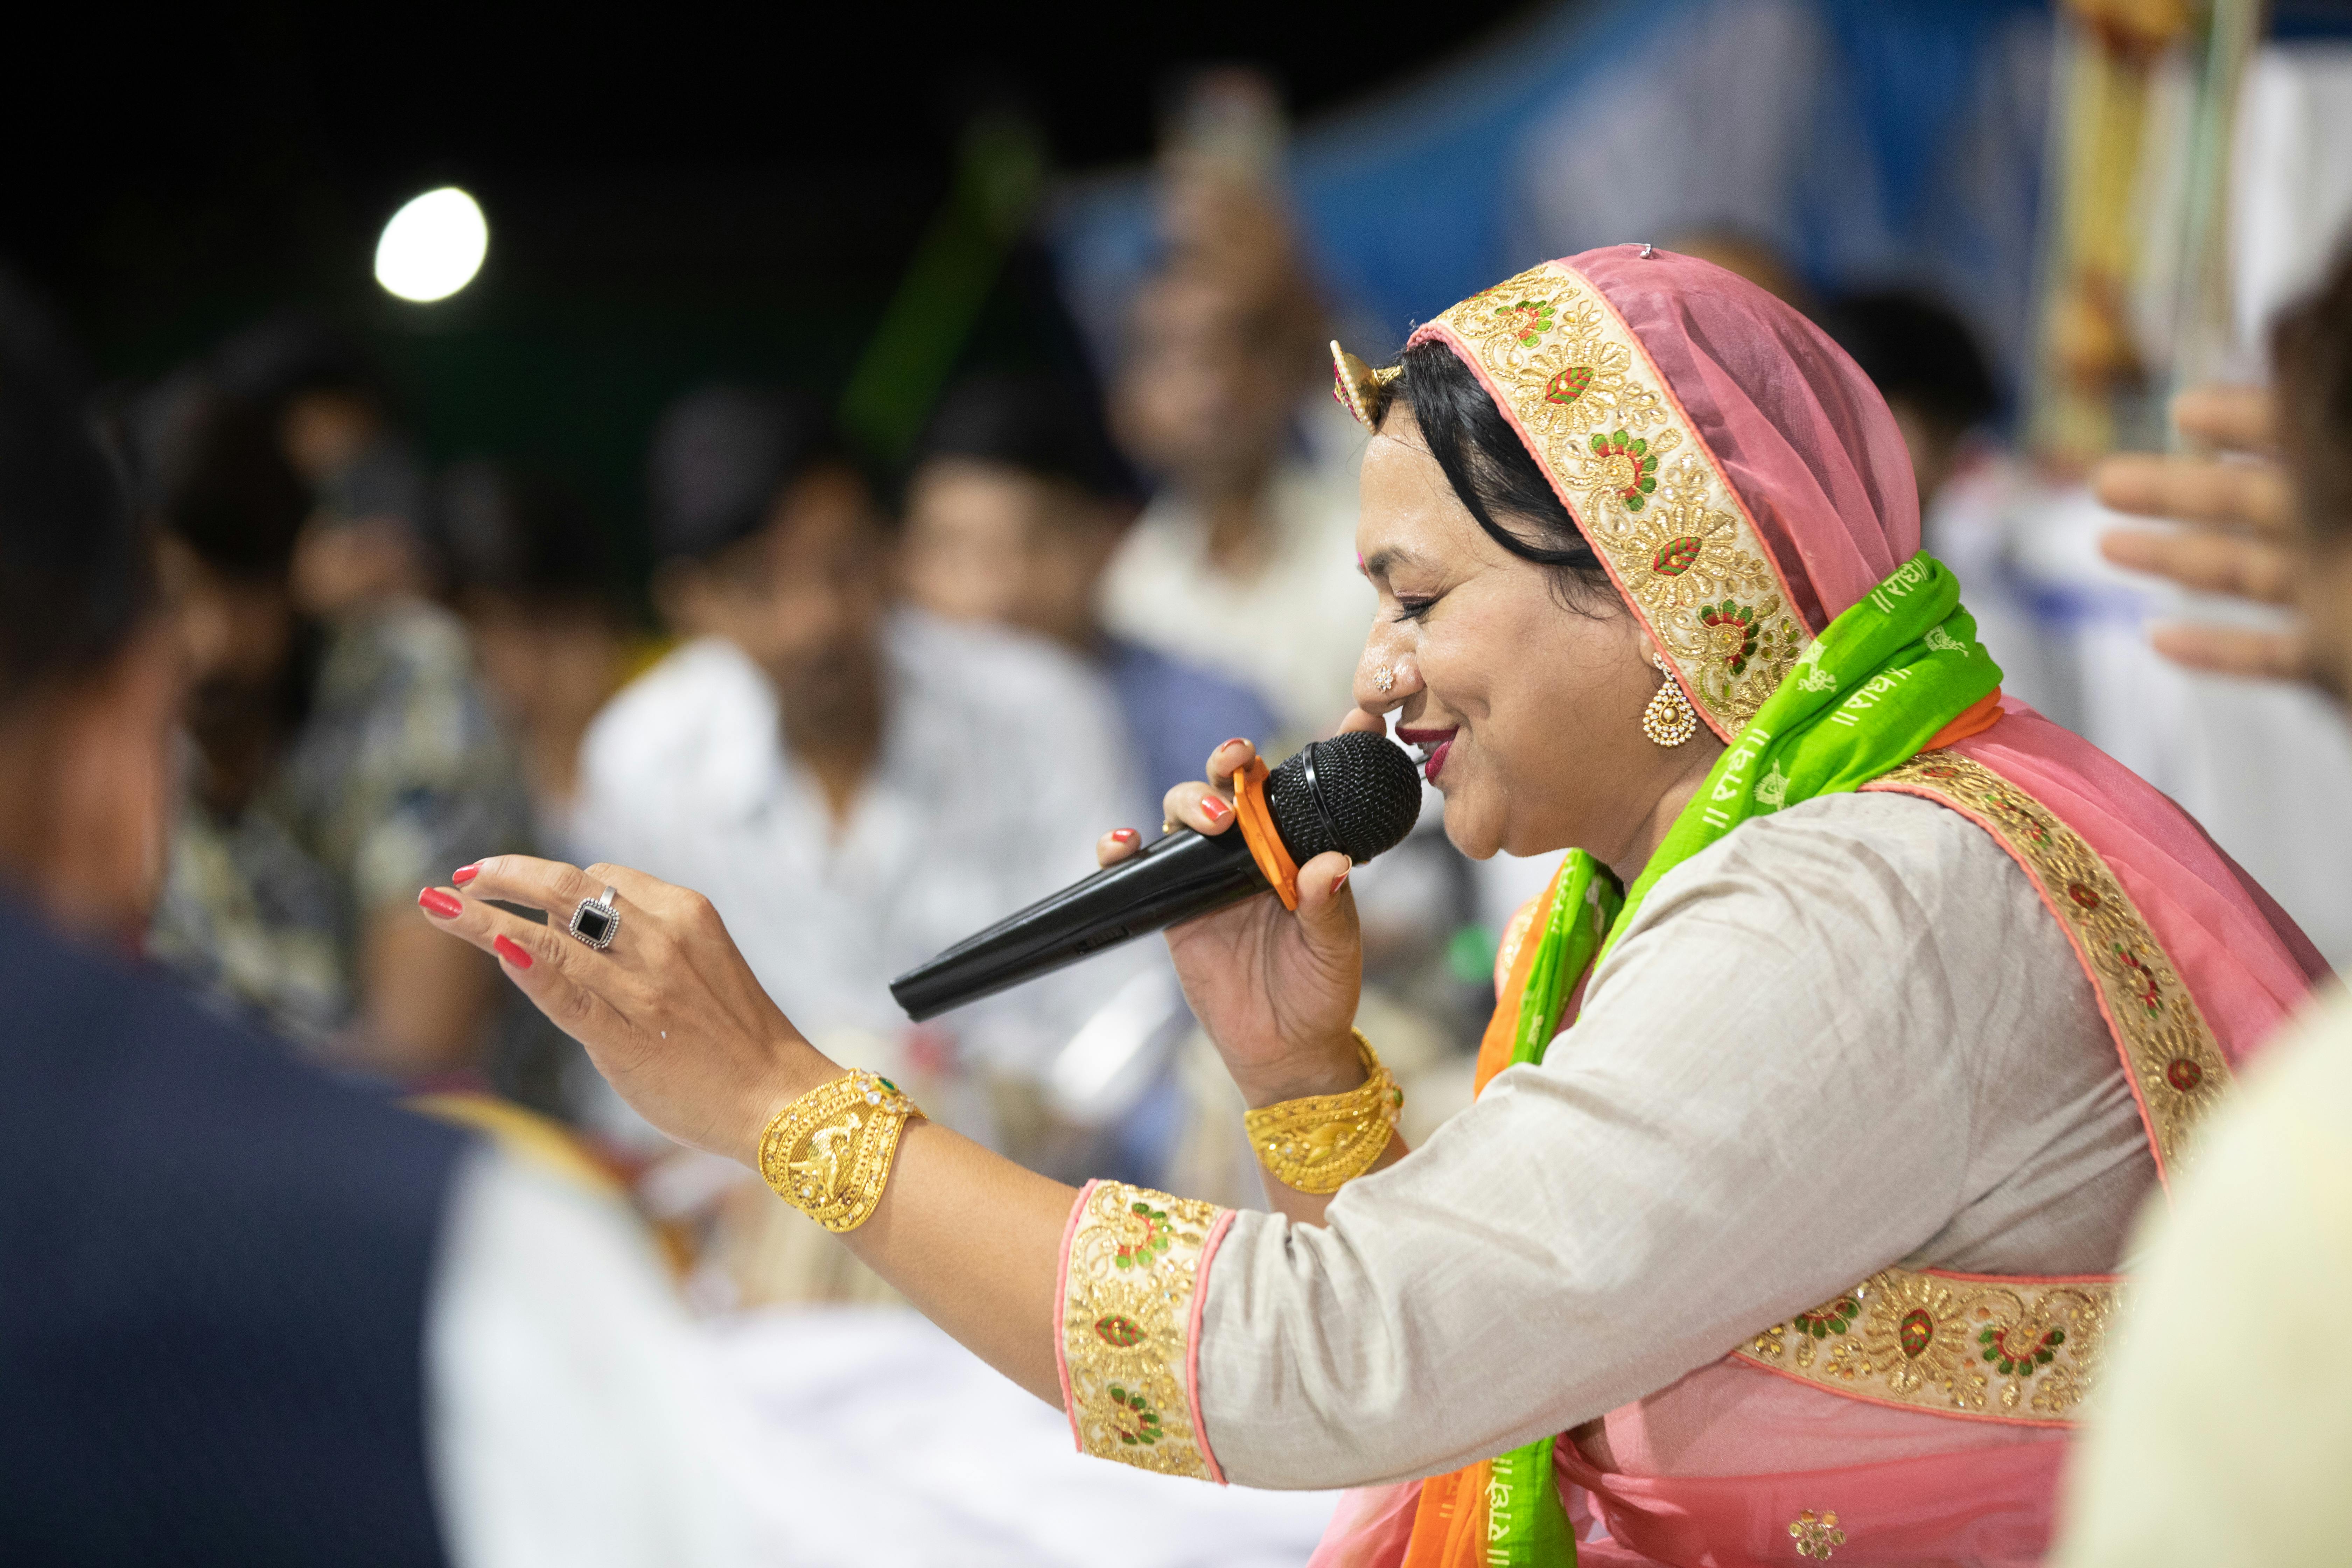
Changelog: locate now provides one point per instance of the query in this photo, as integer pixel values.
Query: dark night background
(672, 193)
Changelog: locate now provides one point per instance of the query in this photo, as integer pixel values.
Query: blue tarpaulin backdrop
(1871, 141)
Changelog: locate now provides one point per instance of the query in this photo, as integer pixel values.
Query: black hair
(73, 561)
(2311, 344)
(526, 534)
(1917, 350)
(1030, 424)
(723, 456)
(1492, 471)
(210, 472)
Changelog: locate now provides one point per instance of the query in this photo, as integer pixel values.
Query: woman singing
(1822, 1085)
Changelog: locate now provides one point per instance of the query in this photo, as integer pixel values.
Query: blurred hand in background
(2238, 531)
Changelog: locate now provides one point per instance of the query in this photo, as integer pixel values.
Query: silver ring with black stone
(596, 922)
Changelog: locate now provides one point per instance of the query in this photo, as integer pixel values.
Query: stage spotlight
(432, 246)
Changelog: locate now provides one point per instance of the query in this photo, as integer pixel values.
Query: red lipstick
(1437, 743)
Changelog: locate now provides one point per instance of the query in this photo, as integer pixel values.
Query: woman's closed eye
(1414, 609)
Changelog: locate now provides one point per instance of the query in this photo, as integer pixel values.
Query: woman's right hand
(1275, 989)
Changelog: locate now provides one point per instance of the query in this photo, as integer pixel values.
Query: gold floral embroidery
(2019, 1349)
(1817, 1535)
(1642, 486)
(1126, 1320)
(2003, 1350)
(2177, 1069)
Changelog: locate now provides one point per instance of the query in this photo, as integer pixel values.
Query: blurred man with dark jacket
(252, 1316)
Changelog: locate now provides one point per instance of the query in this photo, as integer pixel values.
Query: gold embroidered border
(2176, 1069)
(2018, 1349)
(1641, 484)
(1127, 1309)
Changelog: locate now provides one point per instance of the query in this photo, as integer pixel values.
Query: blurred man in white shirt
(856, 787)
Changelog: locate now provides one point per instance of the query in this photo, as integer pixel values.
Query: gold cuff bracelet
(1320, 1143)
(828, 1153)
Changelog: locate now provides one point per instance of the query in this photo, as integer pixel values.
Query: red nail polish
(464, 874)
(1214, 809)
(1125, 835)
(440, 905)
(510, 952)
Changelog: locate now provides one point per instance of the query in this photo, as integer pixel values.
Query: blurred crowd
(870, 708)
(866, 709)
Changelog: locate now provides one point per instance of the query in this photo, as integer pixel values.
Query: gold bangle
(1320, 1143)
(828, 1153)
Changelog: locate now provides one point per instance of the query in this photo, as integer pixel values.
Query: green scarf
(1886, 676)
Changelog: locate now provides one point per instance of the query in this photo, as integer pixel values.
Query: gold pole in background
(2134, 289)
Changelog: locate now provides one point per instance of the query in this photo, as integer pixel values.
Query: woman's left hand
(670, 1012)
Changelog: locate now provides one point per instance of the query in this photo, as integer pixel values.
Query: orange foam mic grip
(1258, 826)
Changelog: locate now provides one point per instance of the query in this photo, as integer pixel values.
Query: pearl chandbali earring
(1669, 719)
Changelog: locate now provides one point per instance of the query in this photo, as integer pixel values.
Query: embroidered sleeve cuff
(1135, 1269)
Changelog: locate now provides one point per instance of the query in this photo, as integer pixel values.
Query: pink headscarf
(1719, 450)
(1784, 468)
(1802, 437)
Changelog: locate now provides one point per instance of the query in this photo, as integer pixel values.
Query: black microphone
(1358, 792)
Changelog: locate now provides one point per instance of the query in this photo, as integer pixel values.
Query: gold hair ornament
(828, 1153)
(1357, 386)
(1322, 1142)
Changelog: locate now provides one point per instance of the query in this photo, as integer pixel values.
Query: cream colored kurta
(1845, 1036)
